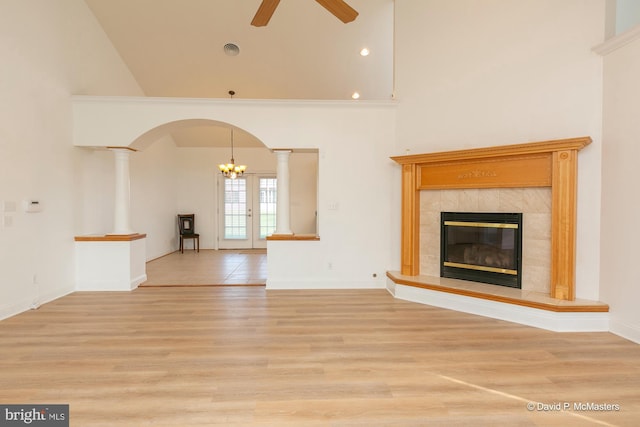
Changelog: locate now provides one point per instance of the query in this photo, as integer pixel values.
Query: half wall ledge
(293, 237)
(110, 237)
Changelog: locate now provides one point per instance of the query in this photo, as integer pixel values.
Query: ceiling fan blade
(340, 9)
(264, 13)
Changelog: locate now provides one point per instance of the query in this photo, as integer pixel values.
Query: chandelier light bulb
(230, 170)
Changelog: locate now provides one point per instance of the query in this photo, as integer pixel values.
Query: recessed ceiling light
(364, 52)
(231, 49)
(355, 95)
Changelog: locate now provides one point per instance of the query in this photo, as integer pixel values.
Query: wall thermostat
(32, 206)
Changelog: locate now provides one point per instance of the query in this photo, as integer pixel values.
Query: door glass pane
(268, 197)
(235, 208)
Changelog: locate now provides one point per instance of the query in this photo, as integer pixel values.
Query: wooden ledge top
(530, 148)
(311, 237)
(498, 293)
(110, 237)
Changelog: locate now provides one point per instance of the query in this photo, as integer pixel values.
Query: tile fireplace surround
(538, 179)
(533, 203)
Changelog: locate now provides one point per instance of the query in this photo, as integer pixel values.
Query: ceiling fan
(338, 8)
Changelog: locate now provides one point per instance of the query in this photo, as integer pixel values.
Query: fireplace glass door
(482, 247)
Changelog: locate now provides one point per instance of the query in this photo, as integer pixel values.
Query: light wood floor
(209, 267)
(245, 356)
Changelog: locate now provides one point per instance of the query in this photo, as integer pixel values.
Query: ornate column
(122, 197)
(283, 209)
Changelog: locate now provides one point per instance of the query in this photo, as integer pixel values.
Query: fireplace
(482, 247)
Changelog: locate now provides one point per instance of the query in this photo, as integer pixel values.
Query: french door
(247, 213)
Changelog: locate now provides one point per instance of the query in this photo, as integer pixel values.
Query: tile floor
(209, 267)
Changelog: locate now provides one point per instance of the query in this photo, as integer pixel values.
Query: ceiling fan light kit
(338, 8)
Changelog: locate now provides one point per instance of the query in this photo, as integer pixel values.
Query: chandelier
(231, 170)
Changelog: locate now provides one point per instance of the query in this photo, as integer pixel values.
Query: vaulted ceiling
(175, 48)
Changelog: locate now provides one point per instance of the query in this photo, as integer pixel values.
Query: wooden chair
(187, 229)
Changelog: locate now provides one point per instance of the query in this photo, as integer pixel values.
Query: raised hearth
(484, 291)
(521, 306)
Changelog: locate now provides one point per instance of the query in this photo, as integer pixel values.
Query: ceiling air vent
(231, 49)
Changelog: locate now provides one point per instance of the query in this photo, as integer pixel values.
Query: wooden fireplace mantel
(538, 164)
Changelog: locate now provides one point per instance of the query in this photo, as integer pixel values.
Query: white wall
(354, 141)
(355, 219)
(483, 73)
(620, 277)
(49, 49)
(154, 175)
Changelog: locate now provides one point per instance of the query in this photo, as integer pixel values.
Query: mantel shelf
(496, 151)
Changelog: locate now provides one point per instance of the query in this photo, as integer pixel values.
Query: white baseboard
(22, 306)
(111, 285)
(17, 307)
(138, 280)
(544, 319)
(323, 284)
(625, 330)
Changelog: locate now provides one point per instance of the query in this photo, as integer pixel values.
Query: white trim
(323, 284)
(110, 285)
(625, 330)
(7, 311)
(391, 287)
(552, 321)
(88, 99)
(618, 41)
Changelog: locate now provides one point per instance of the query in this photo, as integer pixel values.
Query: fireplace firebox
(482, 247)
